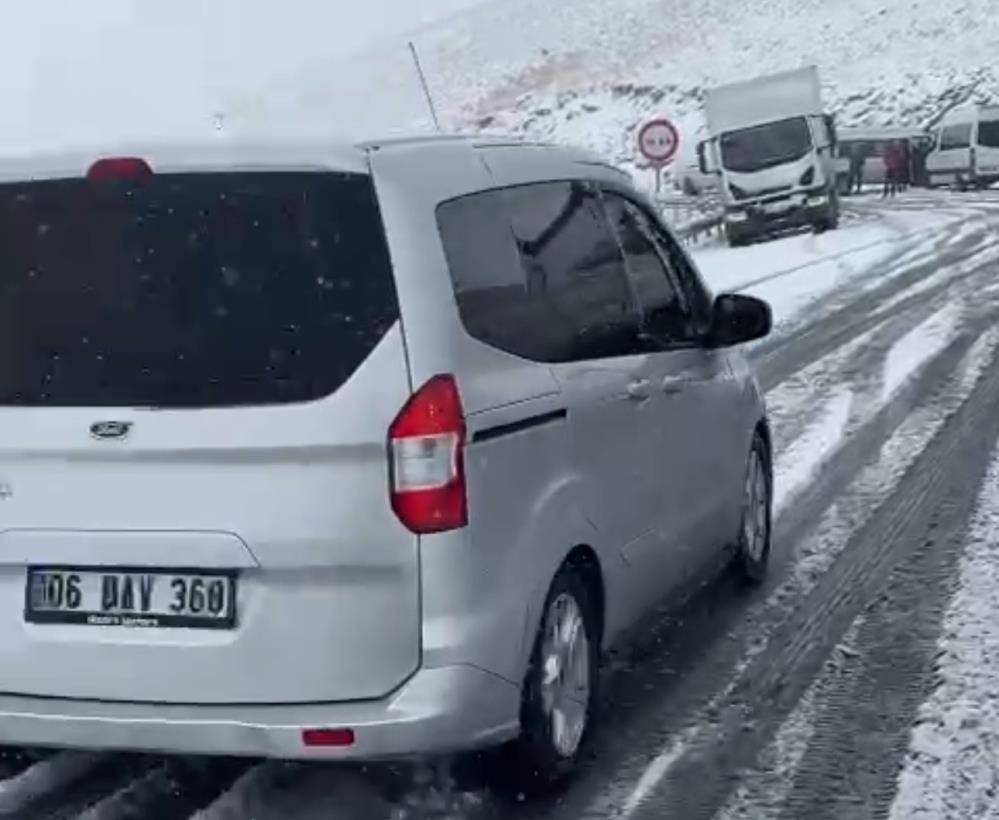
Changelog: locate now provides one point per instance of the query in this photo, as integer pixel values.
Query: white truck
(772, 147)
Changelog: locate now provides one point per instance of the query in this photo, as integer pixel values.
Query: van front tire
(560, 686)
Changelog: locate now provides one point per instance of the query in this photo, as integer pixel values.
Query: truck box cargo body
(771, 145)
(763, 100)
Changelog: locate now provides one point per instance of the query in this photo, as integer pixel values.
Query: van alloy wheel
(560, 686)
(753, 545)
(755, 514)
(565, 674)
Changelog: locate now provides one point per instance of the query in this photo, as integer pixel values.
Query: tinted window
(663, 305)
(497, 299)
(988, 134)
(562, 296)
(955, 136)
(697, 296)
(190, 289)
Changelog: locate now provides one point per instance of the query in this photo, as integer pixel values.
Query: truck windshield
(763, 146)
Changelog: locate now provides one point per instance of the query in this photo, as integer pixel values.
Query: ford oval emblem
(110, 429)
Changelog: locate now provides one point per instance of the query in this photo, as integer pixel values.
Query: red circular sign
(658, 140)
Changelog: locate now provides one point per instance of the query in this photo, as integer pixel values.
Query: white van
(966, 151)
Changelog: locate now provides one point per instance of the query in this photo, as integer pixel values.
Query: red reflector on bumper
(328, 737)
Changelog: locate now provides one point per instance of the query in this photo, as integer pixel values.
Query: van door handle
(673, 385)
(639, 390)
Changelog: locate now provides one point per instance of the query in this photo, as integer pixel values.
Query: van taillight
(119, 169)
(426, 454)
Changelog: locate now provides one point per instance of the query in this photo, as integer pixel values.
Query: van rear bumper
(436, 711)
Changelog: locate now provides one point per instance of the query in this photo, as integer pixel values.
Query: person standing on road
(855, 178)
(892, 160)
(904, 165)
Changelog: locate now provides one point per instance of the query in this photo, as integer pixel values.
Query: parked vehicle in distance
(872, 142)
(771, 144)
(966, 148)
(353, 453)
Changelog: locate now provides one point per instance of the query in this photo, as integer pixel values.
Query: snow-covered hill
(589, 71)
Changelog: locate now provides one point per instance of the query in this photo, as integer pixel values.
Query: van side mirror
(702, 161)
(736, 319)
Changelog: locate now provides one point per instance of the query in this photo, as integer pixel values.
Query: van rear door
(987, 150)
(951, 161)
(197, 375)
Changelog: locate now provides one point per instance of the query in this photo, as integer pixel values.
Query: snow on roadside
(952, 769)
(797, 465)
(793, 272)
(918, 346)
(794, 398)
(986, 254)
(852, 510)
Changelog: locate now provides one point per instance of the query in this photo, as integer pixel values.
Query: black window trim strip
(491, 433)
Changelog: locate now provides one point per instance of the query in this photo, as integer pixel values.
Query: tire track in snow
(963, 363)
(697, 786)
(57, 772)
(64, 798)
(172, 790)
(763, 790)
(862, 730)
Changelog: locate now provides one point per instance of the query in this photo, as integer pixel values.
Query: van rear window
(955, 136)
(988, 133)
(190, 290)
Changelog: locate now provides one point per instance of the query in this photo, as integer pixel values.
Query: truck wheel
(829, 221)
(736, 239)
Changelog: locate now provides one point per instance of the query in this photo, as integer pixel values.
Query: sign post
(658, 142)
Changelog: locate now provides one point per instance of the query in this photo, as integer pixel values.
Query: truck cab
(772, 149)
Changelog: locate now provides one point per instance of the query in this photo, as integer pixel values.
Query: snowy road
(860, 681)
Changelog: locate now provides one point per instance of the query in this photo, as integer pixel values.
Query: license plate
(145, 598)
(778, 208)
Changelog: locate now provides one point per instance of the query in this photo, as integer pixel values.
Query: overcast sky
(86, 69)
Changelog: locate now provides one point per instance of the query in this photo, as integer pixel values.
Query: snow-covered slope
(589, 71)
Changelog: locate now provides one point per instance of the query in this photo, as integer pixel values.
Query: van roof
(227, 154)
(962, 114)
(882, 133)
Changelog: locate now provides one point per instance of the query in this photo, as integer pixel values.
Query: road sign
(658, 140)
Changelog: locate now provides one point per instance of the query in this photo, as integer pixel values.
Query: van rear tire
(544, 755)
(752, 546)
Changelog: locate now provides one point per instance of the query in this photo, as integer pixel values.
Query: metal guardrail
(693, 231)
(692, 218)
